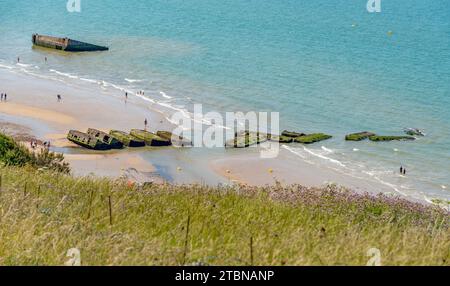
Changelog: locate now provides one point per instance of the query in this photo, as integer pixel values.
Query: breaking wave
(163, 94)
(133, 80)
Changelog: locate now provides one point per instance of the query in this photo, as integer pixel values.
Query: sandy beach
(31, 99)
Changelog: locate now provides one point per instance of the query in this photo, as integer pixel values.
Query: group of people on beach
(4, 96)
(140, 92)
(34, 144)
(402, 170)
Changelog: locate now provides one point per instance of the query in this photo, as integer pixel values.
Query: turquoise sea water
(327, 66)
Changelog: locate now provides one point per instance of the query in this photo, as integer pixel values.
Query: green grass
(15, 154)
(44, 214)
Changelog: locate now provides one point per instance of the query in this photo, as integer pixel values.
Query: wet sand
(123, 164)
(251, 169)
(81, 106)
(15, 109)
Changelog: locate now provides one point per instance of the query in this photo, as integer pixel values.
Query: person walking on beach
(18, 60)
(58, 97)
(145, 124)
(401, 170)
(404, 171)
(2, 97)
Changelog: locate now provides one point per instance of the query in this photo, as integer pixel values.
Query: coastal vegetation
(13, 153)
(45, 212)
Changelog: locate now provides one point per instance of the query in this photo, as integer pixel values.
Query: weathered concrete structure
(150, 138)
(86, 140)
(127, 139)
(178, 141)
(359, 136)
(65, 44)
(106, 138)
(246, 139)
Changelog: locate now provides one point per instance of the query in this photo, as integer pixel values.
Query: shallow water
(326, 66)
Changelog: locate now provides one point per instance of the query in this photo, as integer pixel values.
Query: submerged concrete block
(65, 44)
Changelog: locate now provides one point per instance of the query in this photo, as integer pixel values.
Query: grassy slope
(44, 214)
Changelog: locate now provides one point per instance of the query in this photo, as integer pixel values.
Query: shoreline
(85, 106)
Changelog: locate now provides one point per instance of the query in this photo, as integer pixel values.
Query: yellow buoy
(178, 169)
(271, 171)
(390, 33)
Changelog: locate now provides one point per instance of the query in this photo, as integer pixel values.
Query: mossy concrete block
(149, 138)
(359, 136)
(106, 138)
(86, 140)
(127, 139)
(312, 138)
(175, 140)
(292, 134)
(281, 139)
(377, 138)
(246, 139)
